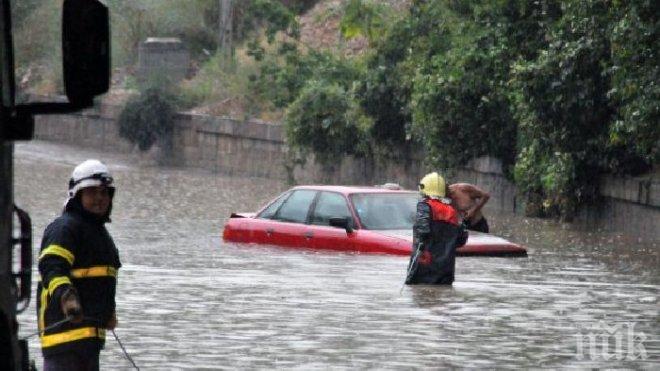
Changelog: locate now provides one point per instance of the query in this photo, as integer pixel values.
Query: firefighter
(436, 235)
(78, 266)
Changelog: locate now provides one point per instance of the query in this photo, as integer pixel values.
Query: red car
(356, 219)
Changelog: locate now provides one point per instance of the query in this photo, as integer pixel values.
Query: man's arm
(477, 194)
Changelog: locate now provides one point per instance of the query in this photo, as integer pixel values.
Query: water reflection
(189, 301)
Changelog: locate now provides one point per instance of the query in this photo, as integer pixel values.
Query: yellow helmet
(432, 185)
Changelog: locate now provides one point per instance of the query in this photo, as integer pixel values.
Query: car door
(262, 227)
(323, 236)
(288, 226)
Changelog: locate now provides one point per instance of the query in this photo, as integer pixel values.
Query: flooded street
(186, 300)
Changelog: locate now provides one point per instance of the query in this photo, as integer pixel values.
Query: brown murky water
(186, 300)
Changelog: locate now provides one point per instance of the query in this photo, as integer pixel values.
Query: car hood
(473, 237)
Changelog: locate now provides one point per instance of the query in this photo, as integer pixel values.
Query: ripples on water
(186, 300)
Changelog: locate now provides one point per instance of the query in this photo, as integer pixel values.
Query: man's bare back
(468, 200)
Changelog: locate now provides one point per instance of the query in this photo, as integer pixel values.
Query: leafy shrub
(148, 117)
(282, 77)
(634, 137)
(386, 87)
(459, 101)
(364, 17)
(326, 120)
(460, 107)
(562, 109)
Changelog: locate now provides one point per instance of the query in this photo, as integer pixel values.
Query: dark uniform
(437, 233)
(77, 251)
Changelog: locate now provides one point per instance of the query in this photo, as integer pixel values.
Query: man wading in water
(468, 200)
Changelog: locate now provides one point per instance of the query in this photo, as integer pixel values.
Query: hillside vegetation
(560, 91)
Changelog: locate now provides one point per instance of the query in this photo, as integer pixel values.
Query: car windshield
(386, 210)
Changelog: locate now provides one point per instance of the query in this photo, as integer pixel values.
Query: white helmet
(91, 173)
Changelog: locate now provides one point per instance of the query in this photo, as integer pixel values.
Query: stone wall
(230, 147)
(88, 130)
(631, 205)
(258, 149)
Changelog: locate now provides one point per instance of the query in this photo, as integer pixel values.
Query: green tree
(364, 17)
(460, 102)
(325, 120)
(563, 111)
(282, 76)
(634, 137)
(148, 118)
(386, 87)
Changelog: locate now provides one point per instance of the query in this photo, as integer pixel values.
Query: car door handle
(308, 235)
(269, 231)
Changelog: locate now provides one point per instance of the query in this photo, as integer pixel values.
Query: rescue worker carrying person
(78, 266)
(436, 235)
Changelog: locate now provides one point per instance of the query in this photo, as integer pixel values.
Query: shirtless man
(468, 200)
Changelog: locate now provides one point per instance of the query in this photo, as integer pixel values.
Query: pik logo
(611, 342)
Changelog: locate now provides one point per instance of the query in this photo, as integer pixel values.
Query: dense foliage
(367, 18)
(560, 91)
(326, 120)
(562, 109)
(386, 87)
(459, 102)
(149, 117)
(635, 86)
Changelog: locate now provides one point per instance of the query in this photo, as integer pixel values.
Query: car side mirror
(85, 50)
(341, 223)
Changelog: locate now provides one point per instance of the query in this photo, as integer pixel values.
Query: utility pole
(225, 27)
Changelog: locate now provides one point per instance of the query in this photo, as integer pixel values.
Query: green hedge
(148, 117)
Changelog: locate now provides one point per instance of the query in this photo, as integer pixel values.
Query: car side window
(269, 212)
(330, 205)
(296, 206)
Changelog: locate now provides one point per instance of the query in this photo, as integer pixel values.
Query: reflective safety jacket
(437, 233)
(76, 250)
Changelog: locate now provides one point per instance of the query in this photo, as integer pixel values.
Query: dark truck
(86, 74)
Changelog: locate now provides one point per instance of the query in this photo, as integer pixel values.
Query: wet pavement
(186, 300)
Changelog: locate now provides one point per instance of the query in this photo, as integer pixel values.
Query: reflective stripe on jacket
(77, 251)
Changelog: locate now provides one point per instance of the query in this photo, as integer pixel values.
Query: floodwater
(187, 300)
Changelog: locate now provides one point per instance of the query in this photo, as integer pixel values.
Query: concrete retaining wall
(258, 149)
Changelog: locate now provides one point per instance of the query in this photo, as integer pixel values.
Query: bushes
(327, 121)
(634, 137)
(148, 118)
(580, 107)
(385, 89)
(460, 106)
(563, 111)
(282, 76)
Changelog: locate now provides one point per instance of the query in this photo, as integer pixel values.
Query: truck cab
(86, 74)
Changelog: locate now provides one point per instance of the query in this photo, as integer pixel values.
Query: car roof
(348, 190)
